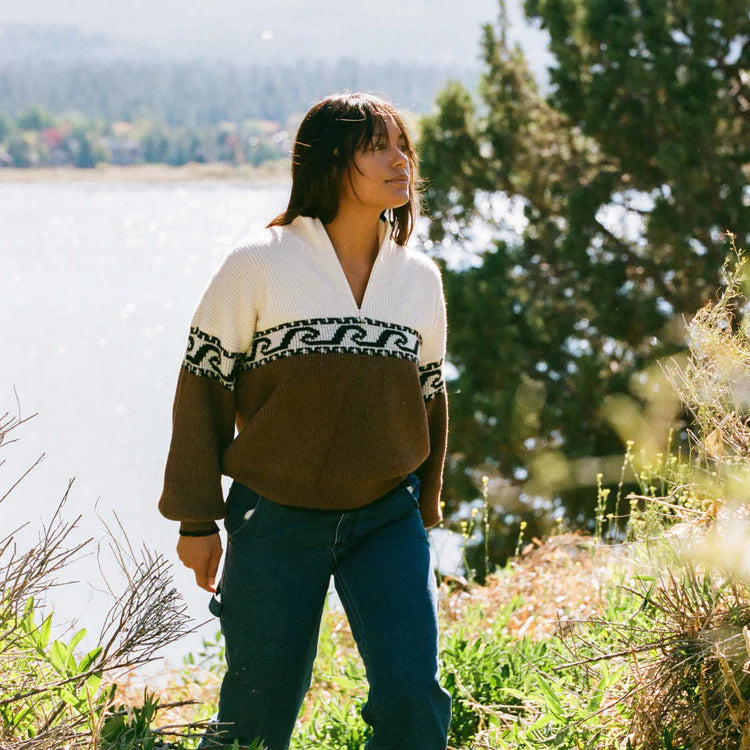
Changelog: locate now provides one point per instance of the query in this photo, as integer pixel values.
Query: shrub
(51, 696)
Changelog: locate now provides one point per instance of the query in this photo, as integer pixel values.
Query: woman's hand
(201, 554)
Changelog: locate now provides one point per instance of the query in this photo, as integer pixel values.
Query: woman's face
(379, 176)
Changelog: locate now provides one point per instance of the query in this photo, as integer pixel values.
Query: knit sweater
(334, 404)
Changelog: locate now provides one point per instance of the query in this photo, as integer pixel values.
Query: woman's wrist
(198, 528)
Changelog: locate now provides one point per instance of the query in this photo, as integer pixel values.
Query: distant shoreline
(274, 171)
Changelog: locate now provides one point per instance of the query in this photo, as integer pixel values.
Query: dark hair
(330, 134)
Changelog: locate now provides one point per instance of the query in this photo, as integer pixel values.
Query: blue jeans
(278, 565)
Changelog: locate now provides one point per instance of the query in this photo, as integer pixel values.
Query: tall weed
(51, 695)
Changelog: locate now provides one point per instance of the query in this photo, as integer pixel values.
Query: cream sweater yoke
(292, 273)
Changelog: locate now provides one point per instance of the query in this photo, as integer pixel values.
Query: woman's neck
(354, 234)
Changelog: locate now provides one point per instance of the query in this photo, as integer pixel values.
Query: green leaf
(71, 699)
(93, 682)
(58, 656)
(27, 621)
(88, 659)
(76, 639)
(597, 695)
(44, 632)
(520, 694)
(552, 699)
(541, 722)
(70, 661)
(113, 727)
(19, 717)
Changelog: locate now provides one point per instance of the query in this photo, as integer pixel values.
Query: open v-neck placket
(360, 310)
(330, 251)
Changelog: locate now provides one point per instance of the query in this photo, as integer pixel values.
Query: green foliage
(210, 657)
(476, 556)
(449, 153)
(509, 692)
(65, 692)
(480, 674)
(340, 686)
(66, 688)
(53, 693)
(6, 125)
(20, 150)
(126, 727)
(335, 725)
(155, 145)
(645, 124)
(86, 153)
(34, 118)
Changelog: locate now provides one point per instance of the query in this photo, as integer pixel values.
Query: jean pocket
(214, 605)
(242, 507)
(411, 486)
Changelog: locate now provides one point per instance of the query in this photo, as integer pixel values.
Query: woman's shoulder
(419, 263)
(258, 247)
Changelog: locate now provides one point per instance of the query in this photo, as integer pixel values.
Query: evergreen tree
(6, 126)
(84, 155)
(628, 172)
(20, 150)
(156, 144)
(35, 118)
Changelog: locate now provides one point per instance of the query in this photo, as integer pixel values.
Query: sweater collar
(312, 231)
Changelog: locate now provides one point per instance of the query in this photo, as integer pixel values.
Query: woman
(323, 342)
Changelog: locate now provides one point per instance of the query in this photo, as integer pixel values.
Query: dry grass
(185, 696)
(558, 581)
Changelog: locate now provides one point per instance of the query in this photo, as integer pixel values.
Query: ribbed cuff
(198, 528)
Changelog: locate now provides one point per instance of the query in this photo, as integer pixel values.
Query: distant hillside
(194, 93)
(427, 31)
(21, 42)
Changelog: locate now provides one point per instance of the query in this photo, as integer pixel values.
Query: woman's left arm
(432, 378)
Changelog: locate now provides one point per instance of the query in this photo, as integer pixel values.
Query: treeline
(201, 94)
(39, 139)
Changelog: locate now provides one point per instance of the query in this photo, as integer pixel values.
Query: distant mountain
(197, 94)
(20, 42)
(270, 63)
(400, 32)
(424, 31)
(441, 32)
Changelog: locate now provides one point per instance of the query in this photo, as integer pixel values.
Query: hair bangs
(365, 129)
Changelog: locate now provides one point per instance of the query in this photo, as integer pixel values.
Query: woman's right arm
(203, 413)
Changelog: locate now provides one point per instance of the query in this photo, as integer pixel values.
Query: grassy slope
(527, 611)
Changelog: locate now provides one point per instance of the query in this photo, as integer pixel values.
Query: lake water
(98, 282)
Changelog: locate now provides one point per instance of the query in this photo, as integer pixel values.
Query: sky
(429, 31)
